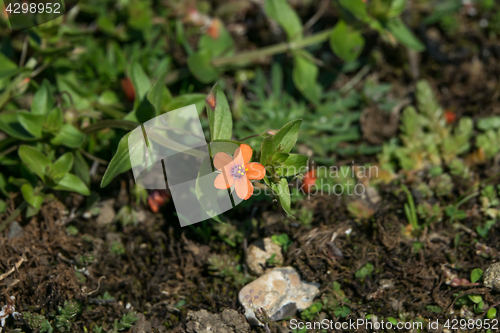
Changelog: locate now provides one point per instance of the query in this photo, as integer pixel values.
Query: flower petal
(241, 187)
(243, 154)
(250, 190)
(255, 170)
(221, 160)
(222, 182)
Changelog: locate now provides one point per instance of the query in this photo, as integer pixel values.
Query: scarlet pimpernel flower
(238, 171)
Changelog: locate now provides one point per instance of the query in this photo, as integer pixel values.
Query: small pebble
(258, 254)
(280, 293)
(492, 277)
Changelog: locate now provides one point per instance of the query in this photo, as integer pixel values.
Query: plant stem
(250, 56)
(12, 216)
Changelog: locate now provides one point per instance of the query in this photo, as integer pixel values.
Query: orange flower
(238, 171)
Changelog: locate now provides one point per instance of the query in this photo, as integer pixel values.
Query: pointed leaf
(34, 159)
(43, 101)
(220, 117)
(200, 66)
(281, 12)
(81, 168)
(305, 76)
(35, 201)
(72, 183)
(62, 166)
(294, 164)
(9, 123)
(120, 163)
(156, 93)
(32, 123)
(140, 80)
(285, 138)
(54, 120)
(283, 193)
(346, 42)
(267, 150)
(404, 35)
(69, 136)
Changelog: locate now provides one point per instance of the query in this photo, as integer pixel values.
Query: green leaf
(54, 120)
(3, 206)
(75, 91)
(346, 42)
(476, 274)
(69, 136)
(294, 164)
(305, 75)
(397, 7)
(34, 159)
(200, 66)
(8, 68)
(285, 138)
(222, 45)
(475, 298)
(356, 7)
(62, 166)
(281, 12)
(140, 81)
(267, 150)
(120, 163)
(9, 123)
(3, 185)
(492, 313)
(28, 193)
(43, 101)
(404, 35)
(155, 94)
(72, 183)
(488, 123)
(283, 193)
(81, 168)
(32, 123)
(220, 118)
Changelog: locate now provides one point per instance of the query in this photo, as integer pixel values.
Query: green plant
(309, 313)
(282, 240)
(364, 271)
(224, 266)
(410, 211)
(476, 274)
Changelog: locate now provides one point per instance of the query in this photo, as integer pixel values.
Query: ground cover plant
(361, 137)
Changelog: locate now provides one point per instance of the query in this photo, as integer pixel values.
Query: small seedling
(282, 240)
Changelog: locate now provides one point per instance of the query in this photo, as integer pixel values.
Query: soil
(163, 272)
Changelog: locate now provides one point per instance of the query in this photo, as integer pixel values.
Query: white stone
(280, 293)
(259, 252)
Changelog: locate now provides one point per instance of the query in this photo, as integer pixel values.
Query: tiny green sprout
(282, 240)
(308, 314)
(476, 274)
(342, 311)
(492, 313)
(434, 308)
(392, 320)
(117, 248)
(484, 230)
(364, 271)
(475, 298)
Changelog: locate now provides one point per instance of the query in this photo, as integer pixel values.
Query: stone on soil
(280, 293)
(259, 252)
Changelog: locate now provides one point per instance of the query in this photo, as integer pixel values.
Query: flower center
(238, 171)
